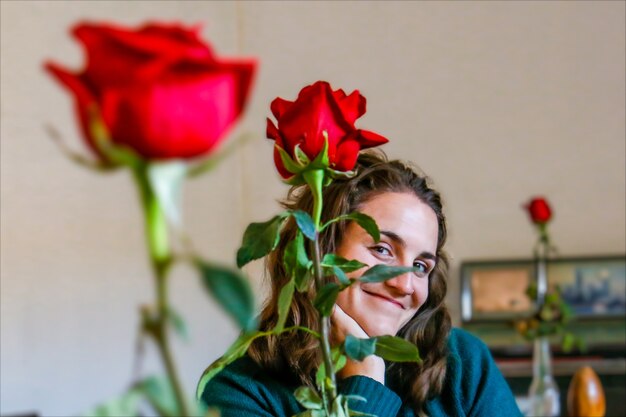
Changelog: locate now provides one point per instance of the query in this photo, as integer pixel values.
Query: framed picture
(495, 290)
(595, 287)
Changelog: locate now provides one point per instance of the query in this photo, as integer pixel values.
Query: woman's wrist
(372, 367)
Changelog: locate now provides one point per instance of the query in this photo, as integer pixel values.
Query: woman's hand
(372, 366)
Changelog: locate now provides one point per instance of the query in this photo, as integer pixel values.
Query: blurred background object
(585, 395)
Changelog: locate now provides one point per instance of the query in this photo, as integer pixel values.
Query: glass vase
(543, 393)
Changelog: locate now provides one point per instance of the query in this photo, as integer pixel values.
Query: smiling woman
(395, 301)
(456, 376)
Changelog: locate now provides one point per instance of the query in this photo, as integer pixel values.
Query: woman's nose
(402, 283)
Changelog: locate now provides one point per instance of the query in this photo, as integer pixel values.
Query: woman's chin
(375, 331)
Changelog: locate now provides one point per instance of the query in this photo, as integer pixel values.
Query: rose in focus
(319, 113)
(159, 89)
(539, 210)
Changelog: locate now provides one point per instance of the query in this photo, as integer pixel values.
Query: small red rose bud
(539, 210)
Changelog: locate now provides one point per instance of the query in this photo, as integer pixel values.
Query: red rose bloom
(319, 109)
(539, 210)
(159, 89)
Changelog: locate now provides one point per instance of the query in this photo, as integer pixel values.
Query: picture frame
(495, 290)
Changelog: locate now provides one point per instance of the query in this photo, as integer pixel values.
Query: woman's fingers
(344, 324)
(372, 366)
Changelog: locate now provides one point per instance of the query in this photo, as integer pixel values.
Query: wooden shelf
(522, 367)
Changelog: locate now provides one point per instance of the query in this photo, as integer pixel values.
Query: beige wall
(497, 101)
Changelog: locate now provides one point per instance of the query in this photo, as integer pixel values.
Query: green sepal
(294, 180)
(231, 290)
(305, 223)
(289, 164)
(301, 164)
(301, 158)
(326, 297)
(379, 273)
(97, 165)
(114, 153)
(366, 222)
(321, 161)
(284, 302)
(358, 349)
(340, 175)
(396, 349)
(309, 398)
(259, 239)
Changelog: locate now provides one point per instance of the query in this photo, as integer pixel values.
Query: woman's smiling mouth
(386, 298)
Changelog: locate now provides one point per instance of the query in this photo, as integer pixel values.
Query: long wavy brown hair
(296, 353)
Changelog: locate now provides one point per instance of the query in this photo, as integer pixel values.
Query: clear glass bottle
(543, 393)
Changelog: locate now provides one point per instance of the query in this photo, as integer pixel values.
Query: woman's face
(408, 237)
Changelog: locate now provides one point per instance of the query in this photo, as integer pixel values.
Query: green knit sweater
(474, 387)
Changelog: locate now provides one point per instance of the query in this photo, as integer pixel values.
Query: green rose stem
(315, 180)
(161, 257)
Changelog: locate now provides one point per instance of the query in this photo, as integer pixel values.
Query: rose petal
(84, 98)
(352, 106)
(151, 39)
(369, 139)
(242, 70)
(280, 166)
(273, 133)
(177, 33)
(73, 82)
(115, 55)
(172, 120)
(310, 115)
(279, 106)
(346, 156)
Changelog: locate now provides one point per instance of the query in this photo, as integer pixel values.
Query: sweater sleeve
(381, 401)
(242, 390)
(479, 384)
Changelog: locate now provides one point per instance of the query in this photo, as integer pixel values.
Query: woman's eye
(423, 268)
(381, 250)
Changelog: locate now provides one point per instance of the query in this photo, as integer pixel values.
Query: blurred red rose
(159, 88)
(539, 210)
(317, 109)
